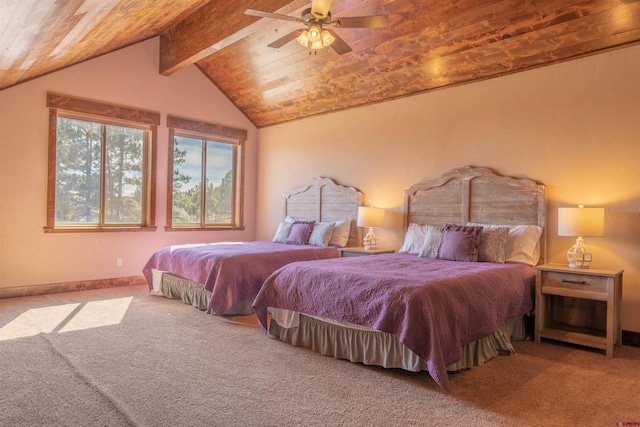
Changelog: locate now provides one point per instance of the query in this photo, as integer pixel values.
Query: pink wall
(573, 126)
(127, 77)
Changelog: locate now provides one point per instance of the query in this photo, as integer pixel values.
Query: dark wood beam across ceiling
(214, 26)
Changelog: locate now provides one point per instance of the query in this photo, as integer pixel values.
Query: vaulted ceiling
(427, 44)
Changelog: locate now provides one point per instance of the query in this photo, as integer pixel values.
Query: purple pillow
(300, 232)
(460, 243)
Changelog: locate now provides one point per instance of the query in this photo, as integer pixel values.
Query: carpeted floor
(117, 357)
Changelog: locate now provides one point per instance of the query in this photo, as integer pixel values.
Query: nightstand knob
(579, 282)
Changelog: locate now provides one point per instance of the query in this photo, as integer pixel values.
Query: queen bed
(460, 288)
(223, 278)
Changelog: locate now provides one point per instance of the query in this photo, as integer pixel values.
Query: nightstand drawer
(578, 282)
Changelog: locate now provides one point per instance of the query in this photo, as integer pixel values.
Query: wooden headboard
(477, 194)
(322, 199)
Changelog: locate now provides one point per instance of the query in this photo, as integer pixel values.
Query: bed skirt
(193, 293)
(372, 347)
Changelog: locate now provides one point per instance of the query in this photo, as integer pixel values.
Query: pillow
(282, 232)
(492, 244)
(300, 232)
(460, 243)
(341, 232)
(290, 218)
(321, 233)
(523, 243)
(413, 239)
(432, 241)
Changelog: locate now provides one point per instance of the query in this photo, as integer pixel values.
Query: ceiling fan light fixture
(314, 33)
(327, 38)
(316, 45)
(303, 38)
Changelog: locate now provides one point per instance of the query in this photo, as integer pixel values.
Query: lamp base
(579, 256)
(370, 241)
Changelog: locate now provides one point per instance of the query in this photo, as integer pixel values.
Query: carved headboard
(477, 194)
(322, 199)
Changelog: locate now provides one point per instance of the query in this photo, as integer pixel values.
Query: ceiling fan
(315, 18)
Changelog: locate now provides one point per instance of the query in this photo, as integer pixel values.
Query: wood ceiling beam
(212, 27)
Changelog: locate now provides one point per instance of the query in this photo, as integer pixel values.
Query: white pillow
(282, 232)
(523, 243)
(432, 241)
(341, 232)
(321, 234)
(413, 239)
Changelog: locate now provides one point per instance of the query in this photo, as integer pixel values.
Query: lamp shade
(368, 216)
(580, 221)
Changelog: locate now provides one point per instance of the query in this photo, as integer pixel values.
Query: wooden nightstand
(579, 306)
(361, 251)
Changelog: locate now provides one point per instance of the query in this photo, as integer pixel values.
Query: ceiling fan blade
(271, 15)
(320, 8)
(340, 46)
(372, 21)
(286, 39)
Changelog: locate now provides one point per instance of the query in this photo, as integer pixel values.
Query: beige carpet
(119, 357)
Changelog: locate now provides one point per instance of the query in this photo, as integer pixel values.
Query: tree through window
(206, 177)
(100, 167)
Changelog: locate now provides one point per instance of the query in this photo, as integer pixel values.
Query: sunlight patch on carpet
(95, 314)
(66, 318)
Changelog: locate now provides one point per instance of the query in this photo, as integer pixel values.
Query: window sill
(97, 229)
(221, 228)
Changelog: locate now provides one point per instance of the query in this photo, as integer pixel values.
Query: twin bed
(460, 288)
(223, 278)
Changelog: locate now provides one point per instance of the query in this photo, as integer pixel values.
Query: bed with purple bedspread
(230, 271)
(434, 307)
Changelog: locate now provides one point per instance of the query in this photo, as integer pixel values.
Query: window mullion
(203, 192)
(103, 173)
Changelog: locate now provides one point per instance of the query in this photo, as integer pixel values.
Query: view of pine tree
(79, 166)
(78, 171)
(219, 200)
(188, 190)
(123, 184)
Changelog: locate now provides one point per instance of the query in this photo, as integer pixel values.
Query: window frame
(216, 133)
(104, 114)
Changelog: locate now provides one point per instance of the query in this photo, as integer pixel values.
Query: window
(206, 175)
(100, 166)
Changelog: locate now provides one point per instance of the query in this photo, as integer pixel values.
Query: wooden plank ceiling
(428, 44)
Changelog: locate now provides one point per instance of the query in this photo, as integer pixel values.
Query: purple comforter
(231, 271)
(434, 307)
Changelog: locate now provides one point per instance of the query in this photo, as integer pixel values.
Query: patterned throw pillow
(432, 241)
(460, 243)
(300, 232)
(492, 244)
(321, 234)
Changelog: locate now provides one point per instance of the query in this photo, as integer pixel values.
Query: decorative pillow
(460, 243)
(523, 243)
(282, 232)
(341, 232)
(321, 234)
(290, 218)
(432, 241)
(300, 232)
(413, 239)
(492, 244)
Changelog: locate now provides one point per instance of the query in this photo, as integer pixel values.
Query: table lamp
(371, 217)
(579, 222)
